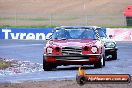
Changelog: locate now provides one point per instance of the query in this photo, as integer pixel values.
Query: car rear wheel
(114, 56)
(101, 63)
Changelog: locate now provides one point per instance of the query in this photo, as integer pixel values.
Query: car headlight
(49, 50)
(110, 44)
(94, 49)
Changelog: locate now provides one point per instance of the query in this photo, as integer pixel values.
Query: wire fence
(59, 19)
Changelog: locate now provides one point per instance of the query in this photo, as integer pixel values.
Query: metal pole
(15, 18)
(84, 5)
(86, 20)
(50, 19)
(84, 11)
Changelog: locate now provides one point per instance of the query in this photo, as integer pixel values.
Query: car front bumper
(110, 51)
(72, 59)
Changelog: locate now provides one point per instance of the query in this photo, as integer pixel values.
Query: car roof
(68, 27)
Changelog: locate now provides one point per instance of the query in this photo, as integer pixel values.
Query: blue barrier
(27, 33)
(24, 33)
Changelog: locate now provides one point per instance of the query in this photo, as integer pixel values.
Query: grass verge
(52, 26)
(25, 19)
(24, 26)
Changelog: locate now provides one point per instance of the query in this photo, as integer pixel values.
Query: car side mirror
(47, 38)
(110, 36)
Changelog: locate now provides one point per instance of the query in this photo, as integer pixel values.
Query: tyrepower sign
(25, 33)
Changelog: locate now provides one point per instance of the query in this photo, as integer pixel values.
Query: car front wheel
(100, 63)
(48, 66)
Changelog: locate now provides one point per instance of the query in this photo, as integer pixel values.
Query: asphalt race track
(25, 50)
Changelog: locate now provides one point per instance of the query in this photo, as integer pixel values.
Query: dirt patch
(94, 7)
(13, 67)
(63, 12)
(5, 64)
(62, 84)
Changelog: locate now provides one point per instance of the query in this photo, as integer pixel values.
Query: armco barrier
(120, 34)
(25, 33)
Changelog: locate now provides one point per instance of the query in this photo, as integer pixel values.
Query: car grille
(72, 50)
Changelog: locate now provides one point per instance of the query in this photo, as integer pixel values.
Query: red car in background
(74, 45)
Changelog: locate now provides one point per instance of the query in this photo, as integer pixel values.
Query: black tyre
(101, 63)
(98, 65)
(47, 67)
(114, 56)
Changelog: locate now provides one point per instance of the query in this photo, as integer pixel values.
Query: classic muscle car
(74, 45)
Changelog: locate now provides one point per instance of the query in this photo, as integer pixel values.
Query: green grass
(8, 18)
(1, 19)
(117, 26)
(37, 18)
(66, 18)
(52, 26)
(25, 19)
(33, 19)
(31, 26)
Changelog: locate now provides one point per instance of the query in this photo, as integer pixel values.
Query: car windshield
(74, 33)
(101, 32)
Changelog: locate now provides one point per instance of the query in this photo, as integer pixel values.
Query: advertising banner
(25, 33)
(120, 34)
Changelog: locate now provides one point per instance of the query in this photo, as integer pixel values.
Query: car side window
(101, 32)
